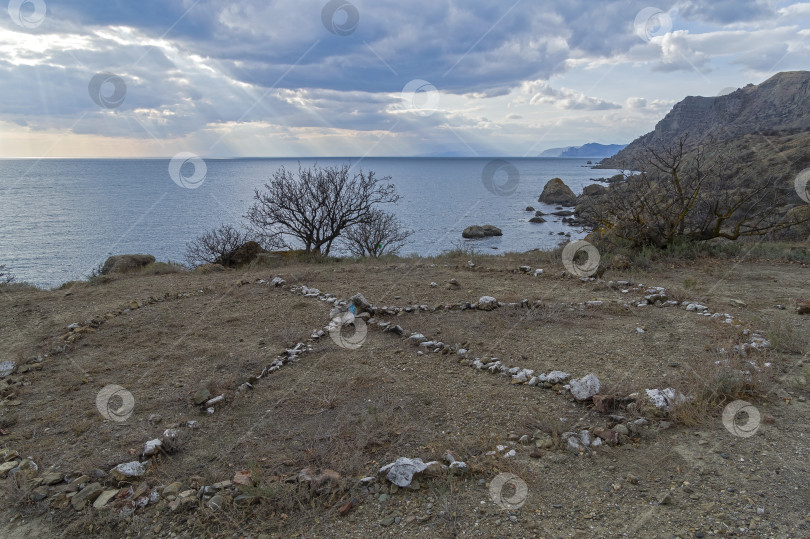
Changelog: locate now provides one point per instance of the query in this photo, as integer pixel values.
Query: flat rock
(104, 498)
(86, 495)
(401, 471)
(128, 471)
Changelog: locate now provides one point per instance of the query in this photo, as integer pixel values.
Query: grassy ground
(353, 411)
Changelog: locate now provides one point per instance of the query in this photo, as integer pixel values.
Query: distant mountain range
(590, 150)
(780, 106)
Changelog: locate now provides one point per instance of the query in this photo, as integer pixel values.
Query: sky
(299, 78)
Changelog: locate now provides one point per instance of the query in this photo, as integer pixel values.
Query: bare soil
(354, 411)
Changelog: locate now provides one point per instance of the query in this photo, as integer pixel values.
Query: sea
(61, 218)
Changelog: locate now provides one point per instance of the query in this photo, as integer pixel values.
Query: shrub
(381, 234)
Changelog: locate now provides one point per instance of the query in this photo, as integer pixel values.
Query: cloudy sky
(221, 78)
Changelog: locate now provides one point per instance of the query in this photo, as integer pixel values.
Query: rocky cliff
(780, 105)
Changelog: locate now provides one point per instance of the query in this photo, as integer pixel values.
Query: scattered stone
(344, 509)
(38, 494)
(7, 368)
(543, 440)
(554, 377)
(666, 499)
(243, 477)
(278, 281)
(216, 502)
(360, 304)
(104, 498)
(401, 471)
(172, 489)
(536, 219)
(737, 303)
(487, 303)
(181, 504)
(610, 436)
(128, 471)
(86, 495)
(51, 478)
(215, 400)
(433, 285)
(152, 447)
(585, 388)
(201, 396)
(664, 398)
(477, 231)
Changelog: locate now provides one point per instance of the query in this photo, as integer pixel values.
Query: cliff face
(781, 103)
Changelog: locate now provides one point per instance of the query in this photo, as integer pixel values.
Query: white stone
(152, 447)
(586, 387)
(401, 471)
(487, 303)
(554, 377)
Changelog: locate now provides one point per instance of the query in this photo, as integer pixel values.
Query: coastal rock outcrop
(556, 192)
(594, 190)
(478, 231)
(126, 263)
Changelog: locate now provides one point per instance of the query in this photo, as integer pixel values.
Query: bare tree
(382, 233)
(316, 205)
(214, 246)
(697, 195)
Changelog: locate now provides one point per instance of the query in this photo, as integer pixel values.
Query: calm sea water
(61, 218)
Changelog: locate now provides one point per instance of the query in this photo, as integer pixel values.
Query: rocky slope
(781, 105)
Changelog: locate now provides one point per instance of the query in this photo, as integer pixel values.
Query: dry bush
(711, 381)
(785, 338)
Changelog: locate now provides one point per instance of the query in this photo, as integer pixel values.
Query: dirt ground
(355, 410)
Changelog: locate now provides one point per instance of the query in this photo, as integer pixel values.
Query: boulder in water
(478, 231)
(556, 192)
